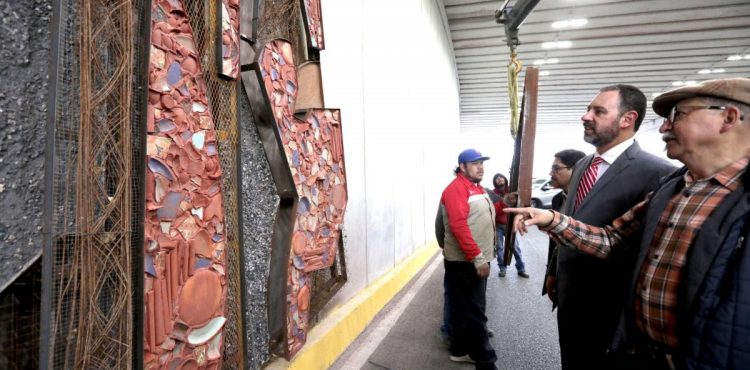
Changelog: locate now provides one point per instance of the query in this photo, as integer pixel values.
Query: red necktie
(588, 180)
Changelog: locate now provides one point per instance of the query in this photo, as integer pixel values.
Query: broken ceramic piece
(203, 334)
(200, 298)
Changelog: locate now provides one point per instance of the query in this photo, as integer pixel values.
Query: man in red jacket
(469, 222)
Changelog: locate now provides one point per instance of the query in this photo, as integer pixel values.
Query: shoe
(523, 274)
(490, 333)
(464, 358)
(501, 273)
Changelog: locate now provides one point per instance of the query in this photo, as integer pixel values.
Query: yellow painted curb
(335, 332)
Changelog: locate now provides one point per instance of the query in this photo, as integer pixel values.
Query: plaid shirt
(660, 274)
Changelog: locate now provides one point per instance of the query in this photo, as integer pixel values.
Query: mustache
(588, 124)
(668, 136)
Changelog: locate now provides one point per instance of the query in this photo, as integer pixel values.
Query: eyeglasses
(678, 114)
(556, 168)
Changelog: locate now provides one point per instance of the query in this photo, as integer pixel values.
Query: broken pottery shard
(171, 206)
(214, 345)
(174, 74)
(166, 126)
(200, 298)
(198, 140)
(202, 244)
(159, 167)
(204, 333)
(303, 298)
(148, 265)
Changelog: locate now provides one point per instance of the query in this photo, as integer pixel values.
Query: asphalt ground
(405, 335)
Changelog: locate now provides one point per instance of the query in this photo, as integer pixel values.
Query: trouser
(584, 339)
(500, 252)
(447, 327)
(468, 314)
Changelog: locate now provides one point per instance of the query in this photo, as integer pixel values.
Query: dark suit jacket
(591, 292)
(557, 203)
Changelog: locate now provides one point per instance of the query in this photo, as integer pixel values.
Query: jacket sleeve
(456, 203)
(440, 227)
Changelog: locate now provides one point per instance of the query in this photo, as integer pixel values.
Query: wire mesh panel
(222, 97)
(88, 306)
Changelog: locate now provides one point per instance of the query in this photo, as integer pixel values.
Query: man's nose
(665, 126)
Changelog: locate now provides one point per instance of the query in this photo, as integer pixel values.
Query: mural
(184, 261)
(151, 174)
(313, 151)
(229, 48)
(314, 24)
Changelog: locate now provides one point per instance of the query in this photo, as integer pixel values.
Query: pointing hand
(528, 217)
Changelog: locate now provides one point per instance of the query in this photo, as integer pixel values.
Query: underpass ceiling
(651, 44)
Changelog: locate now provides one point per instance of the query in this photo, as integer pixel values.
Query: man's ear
(732, 118)
(628, 119)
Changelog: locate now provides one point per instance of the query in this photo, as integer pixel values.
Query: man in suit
(603, 186)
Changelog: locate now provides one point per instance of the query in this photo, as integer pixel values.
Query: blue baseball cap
(470, 155)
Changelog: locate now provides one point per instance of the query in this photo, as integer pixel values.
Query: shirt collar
(727, 177)
(468, 182)
(611, 155)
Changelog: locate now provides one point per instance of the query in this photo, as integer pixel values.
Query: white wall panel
(389, 66)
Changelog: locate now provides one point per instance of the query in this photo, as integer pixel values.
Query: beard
(602, 135)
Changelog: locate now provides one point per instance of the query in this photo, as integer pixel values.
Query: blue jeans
(500, 251)
(447, 328)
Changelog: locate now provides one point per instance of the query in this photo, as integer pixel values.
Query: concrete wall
(24, 62)
(389, 67)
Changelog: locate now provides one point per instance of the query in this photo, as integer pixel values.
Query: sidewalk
(405, 334)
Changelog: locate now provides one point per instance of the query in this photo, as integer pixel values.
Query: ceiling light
(655, 94)
(690, 83)
(734, 57)
(580, 22)
(704, 71)
(677, 83)
(718, 70)
(747, 56)
(540, 62)
(544, 73)
(556, 45)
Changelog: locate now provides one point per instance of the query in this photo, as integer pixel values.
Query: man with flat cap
(689, 299)
(469, 222)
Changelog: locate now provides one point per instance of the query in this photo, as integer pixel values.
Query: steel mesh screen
(222, 96)
(88, 280)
